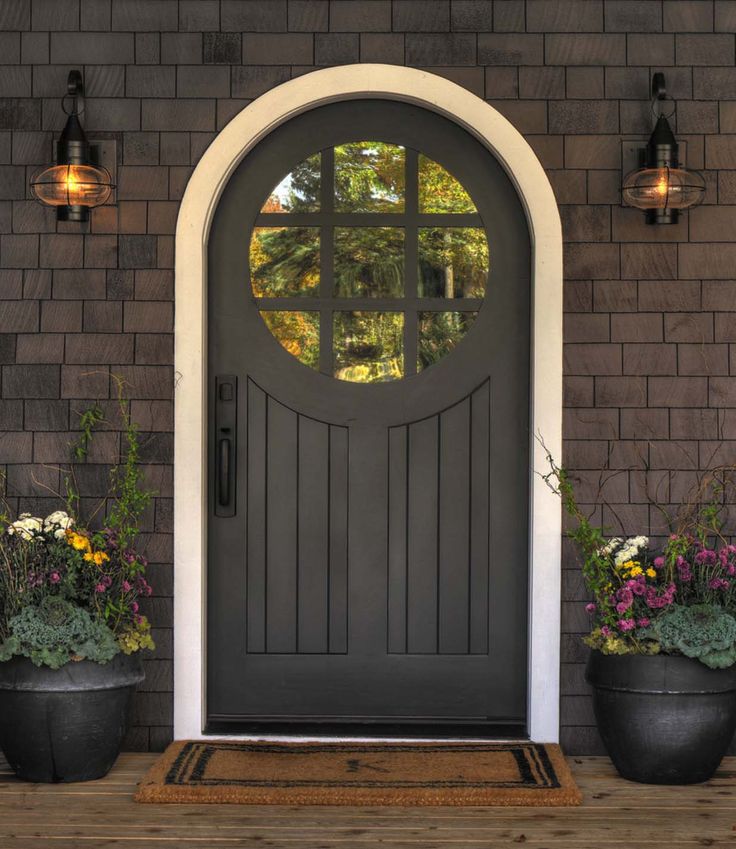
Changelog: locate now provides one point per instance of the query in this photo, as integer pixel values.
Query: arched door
(368, 297)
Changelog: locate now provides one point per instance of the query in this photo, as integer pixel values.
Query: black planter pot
(65, 724)
(663, 720)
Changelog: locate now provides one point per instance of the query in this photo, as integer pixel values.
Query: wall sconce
(660, 186)
(76, 183)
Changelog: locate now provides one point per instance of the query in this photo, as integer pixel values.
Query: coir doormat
(387, 774)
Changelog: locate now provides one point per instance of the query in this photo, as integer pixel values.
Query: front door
(369, 314)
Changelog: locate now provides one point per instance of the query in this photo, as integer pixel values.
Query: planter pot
(663, 720)
(65, 724)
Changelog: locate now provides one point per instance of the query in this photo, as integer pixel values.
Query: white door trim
(195, 216)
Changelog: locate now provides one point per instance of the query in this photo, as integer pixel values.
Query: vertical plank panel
(480, 436)
(281, 533)
(422, 537)
(338, 565)
(454, 530)
(313, 519)
(397, 495)
(256, 519)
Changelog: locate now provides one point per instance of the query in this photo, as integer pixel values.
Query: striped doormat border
(381, 774)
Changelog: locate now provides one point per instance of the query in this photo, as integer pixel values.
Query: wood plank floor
(615, 813)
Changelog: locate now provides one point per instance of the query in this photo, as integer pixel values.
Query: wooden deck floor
(615, 813)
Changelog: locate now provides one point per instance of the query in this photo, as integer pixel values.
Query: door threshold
(331, 738)
(358, 732)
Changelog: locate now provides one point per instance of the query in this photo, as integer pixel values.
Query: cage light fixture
(661, 187)
(76, 183)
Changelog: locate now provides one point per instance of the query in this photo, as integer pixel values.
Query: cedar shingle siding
(650, 355)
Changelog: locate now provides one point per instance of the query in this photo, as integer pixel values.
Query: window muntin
(388, 250)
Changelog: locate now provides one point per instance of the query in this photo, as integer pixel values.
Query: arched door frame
(210, 176)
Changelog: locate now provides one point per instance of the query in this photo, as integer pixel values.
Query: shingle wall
(650, 359)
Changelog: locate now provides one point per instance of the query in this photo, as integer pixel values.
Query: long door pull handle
(223, 473)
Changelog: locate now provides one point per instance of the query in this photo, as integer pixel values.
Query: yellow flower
(634, 571)
(97, 557)
(651, 573)
(77, 541)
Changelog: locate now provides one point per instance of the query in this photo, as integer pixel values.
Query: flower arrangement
(70, 592)
(680, 600)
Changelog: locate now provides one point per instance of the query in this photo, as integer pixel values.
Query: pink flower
(100, 588)
(55, 577)
(718, 584)
(591, 608)
(644, 622)
(126, 587)
(134, 607)
(622, 607)
(606, 631)
(658, 562)
(626, 624)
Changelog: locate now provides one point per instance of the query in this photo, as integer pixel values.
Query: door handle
(226, 445)
(223, 473)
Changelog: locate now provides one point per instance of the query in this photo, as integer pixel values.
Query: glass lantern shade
(663, 188)
(73, 186)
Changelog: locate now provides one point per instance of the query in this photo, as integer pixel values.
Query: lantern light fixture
(661, 186)
(76, 183)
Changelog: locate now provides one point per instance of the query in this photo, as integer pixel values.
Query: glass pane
(369, 177)
(439, 191)
(453, 262)
(438, 333)
(369, 262)
(368, 346)
(298, 332)
(299, 190)
(284, 261)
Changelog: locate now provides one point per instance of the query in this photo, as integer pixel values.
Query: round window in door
(369, 261)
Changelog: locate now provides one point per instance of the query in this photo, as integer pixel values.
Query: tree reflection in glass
(369, 262)
(439, 333)
(369, 177)
(284, 261)
(368, 346)
(299, 190)
(453, 262)
(298, 333)
(439, 191)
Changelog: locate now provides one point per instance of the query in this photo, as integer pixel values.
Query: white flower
(26, 526)
(57, 522)
(610, 546)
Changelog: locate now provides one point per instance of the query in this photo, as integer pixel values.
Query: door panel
(375, 565)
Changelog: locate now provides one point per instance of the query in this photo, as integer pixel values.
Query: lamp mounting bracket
(659, 89)
(75, 84)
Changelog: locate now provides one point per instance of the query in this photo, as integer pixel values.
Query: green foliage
(130, 498)
(55, 632)
(703, 631)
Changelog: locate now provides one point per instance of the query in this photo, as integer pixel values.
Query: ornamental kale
(704, 631)
(57, 631)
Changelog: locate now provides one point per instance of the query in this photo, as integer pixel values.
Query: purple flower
(644, 622)
(591, 607)
(100, 588)
(134, 607)
(55, 577)
(626, 624)
(606, 631)
(126, 587)
(622, 607)
(719, 584)
(658, 562)
(706, 556)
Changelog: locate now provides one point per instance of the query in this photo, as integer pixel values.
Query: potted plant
(663, 640)
(71, 628)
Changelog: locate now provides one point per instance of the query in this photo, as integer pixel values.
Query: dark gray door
(369, 312)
